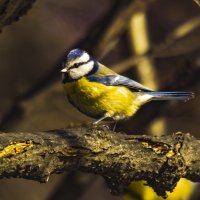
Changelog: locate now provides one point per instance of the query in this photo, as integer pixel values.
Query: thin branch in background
(197, 2)
(178, 33)
(118, 26)
(126, 64)
(140, 44)
(158, 49)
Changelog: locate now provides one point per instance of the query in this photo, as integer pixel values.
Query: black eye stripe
(76, 65)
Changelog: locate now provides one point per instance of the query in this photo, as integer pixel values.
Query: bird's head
(78, 64)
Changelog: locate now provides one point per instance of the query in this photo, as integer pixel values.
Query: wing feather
(118, 80)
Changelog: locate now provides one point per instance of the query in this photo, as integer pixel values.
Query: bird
(101, 93)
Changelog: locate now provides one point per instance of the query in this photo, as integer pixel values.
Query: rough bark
(117, 157)
(12, 10)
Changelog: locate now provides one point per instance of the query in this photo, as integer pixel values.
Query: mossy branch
(12, 10)
(117, 157)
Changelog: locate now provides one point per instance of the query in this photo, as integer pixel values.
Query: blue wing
(117, 80)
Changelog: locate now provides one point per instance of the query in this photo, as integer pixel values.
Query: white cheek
(75, 73)
(81, 71)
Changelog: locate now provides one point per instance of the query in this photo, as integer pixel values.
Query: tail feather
(184, 96)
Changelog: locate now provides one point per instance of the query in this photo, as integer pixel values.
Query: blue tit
(99, 92)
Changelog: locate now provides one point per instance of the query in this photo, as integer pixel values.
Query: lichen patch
(15, 148)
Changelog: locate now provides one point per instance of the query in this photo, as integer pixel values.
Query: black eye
(76, 65)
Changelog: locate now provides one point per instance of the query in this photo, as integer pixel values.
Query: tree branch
(117, 157)
(198, 2)
(12, 10)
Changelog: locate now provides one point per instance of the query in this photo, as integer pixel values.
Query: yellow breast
(96, 99)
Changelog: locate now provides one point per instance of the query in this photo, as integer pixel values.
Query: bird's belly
(96, 100)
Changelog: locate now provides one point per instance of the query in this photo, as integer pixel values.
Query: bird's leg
(102, 118)
(115, 124)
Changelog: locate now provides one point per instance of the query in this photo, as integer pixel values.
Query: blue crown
(75, 53)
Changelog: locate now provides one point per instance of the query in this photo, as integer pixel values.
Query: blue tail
(171, 95)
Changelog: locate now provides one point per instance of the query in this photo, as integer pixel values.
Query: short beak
(63, 70)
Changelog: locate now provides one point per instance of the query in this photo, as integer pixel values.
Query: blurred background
(154, 42)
